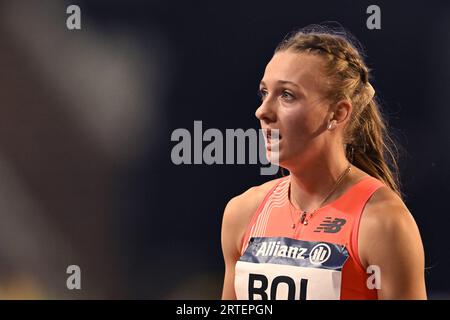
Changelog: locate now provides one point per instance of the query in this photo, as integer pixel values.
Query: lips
(271, 132)
(272, 138)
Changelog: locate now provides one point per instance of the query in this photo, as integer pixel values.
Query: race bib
(280, 268)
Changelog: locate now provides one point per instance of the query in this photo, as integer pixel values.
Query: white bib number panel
(281, 268)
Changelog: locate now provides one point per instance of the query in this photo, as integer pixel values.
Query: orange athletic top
(314, 261)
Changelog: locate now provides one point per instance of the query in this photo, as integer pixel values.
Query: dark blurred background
(86, 117)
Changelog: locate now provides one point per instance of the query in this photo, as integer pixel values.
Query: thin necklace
(303, 215)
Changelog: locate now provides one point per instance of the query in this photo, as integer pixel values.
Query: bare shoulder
(390, 239)
(236, 217)
(386, 209)
(251, 198)
(385, 218)
(240, 209)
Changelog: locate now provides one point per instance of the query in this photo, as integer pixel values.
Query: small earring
(331, 124)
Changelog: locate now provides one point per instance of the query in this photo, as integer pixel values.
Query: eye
(286, 95)
(262, 93)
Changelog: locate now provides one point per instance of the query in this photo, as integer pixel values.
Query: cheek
(298, 125)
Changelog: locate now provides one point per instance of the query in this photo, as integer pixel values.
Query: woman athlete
(336, 227)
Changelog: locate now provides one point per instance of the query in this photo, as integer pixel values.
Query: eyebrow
(286, 82)
(282, 82)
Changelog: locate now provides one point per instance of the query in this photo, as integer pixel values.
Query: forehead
(301, 68)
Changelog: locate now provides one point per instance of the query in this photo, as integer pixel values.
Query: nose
(266, 112)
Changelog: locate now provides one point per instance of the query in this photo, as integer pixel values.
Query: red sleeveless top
(314, 261)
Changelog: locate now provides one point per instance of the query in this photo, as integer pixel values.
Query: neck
(313, 181)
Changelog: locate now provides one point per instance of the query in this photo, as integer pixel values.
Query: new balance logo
(331, 226)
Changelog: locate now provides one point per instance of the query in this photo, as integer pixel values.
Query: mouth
(272, 137)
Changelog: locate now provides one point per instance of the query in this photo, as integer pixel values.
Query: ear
(341, 111)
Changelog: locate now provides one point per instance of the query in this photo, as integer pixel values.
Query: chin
(283, 162)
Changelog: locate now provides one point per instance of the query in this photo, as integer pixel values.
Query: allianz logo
(319, 254)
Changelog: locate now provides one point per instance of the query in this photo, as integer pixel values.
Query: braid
(331, 45)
